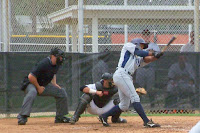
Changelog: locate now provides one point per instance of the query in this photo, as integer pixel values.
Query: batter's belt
(121, 68)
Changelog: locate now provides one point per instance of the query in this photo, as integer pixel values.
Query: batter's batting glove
(141, 91)
(157, 54)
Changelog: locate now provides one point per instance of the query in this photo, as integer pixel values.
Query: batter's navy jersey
(44, 71)
(128, 60)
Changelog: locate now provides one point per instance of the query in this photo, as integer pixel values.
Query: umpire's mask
(59, 54)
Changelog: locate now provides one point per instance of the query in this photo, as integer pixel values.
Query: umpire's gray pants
(50, 90)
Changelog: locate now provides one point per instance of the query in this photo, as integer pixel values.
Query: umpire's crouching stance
(37, 82)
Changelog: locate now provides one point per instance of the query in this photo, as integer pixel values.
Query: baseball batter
(145, 76)
(97, 99)
(196, 128)
(132, 56)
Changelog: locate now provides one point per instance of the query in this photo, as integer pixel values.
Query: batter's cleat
(62, 119)
(22, 119)
(151, 124)
(103, 121)
(120, 120)
(73, 120)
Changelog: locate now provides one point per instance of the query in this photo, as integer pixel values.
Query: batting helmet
(138, 41)
(107, 76)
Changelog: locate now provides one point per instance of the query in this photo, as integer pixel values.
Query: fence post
(67, 31)
(196, 25)
(6, 96)
(125, 27)
(0, 25)
(75, 79)
(95, 34)
(5, 25)
(80, 25)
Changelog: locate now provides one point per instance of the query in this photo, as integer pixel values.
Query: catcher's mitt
(141, 91)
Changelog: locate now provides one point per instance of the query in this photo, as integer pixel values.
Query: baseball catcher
(97, 99)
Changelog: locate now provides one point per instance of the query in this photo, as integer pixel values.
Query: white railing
(32, 47)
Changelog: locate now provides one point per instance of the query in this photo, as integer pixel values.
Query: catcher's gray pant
(126, 89)
(95, 110)
(59, 94)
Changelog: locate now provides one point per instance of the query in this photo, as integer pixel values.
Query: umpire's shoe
(151, 124)
(61, 119)
(103, 121)
(22, 119)
(119, 120)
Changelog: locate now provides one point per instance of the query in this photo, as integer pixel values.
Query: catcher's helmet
(138, 41)
(57, 52)
(107, 76)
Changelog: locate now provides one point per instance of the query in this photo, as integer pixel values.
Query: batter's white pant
(196, 128)
(93, 109)
(126, 89)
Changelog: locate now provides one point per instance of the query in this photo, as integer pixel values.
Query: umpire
(38, 83)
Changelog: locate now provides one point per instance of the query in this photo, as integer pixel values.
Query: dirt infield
(170, 124)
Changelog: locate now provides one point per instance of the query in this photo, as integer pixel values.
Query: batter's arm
(149, 59)
(143, 53)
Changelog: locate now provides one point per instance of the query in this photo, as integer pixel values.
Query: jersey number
(137, 61)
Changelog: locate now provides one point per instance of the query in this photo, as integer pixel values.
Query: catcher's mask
(138, 42)
(109, 78)
(58, 54)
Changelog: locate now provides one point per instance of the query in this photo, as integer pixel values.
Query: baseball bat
(168, 44)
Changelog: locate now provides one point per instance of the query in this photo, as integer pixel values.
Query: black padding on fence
(172, 82)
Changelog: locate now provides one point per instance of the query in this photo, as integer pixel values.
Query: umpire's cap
(57, 52)
(107, 76)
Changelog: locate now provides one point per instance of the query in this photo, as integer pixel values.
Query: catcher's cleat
(61, 119)
(120, 120)
(22, 119)
(73, 120)
(103, 121)
(151, 124)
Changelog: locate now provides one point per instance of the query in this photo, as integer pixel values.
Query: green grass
(123, 114)
(126, 114)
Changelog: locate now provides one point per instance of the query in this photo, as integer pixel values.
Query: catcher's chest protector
(102, 101)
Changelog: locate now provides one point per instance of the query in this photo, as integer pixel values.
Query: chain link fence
(39, 25)
(168, 86)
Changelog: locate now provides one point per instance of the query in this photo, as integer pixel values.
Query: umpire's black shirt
(44, 71)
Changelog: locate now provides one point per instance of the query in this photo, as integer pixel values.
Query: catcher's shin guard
(84, 100)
